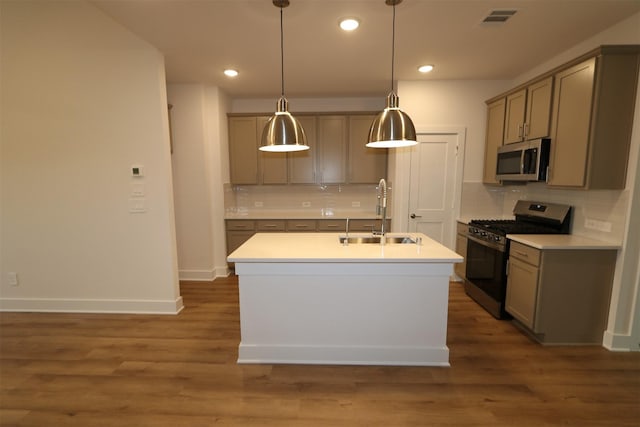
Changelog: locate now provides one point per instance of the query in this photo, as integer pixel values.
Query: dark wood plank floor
(145, 370)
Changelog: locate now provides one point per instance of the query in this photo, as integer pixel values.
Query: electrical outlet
(595, 224)
(258, 204)
(12, 278)
(306, 204)
(355, 204)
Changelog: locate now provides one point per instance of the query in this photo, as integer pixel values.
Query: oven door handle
(485, 243)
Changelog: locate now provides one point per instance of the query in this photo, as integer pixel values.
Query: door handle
(413, 216)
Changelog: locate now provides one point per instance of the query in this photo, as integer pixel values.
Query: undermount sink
(403, 240)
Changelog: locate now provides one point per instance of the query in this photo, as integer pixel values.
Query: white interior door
(432, 187)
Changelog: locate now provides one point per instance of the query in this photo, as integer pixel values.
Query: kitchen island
(308, 298)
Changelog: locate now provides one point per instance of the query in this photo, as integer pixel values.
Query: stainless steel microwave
(524, 161)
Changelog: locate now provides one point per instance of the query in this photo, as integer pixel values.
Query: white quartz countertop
(326, 247)
(561, 241)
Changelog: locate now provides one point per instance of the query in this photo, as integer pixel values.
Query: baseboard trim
(343, 355)
(202, 275)
(618, 342)
(59, 305)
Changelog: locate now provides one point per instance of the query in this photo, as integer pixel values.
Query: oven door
(486, 275)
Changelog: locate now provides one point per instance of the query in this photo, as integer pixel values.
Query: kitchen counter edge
(562, 241)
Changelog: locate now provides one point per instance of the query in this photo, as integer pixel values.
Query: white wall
(82, 101)
(200, 167)
(434, 104)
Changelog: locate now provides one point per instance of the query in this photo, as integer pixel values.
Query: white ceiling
(200, 38)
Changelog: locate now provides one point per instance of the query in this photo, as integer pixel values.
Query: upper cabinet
(332, 137)
(593, 108)
(528, 112)
(302, 164)
(337, 152)
(493, 140)
(366, 165)
(244, 137)
(585, 106)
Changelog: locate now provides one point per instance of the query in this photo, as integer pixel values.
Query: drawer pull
(270, 226)
(524, 254)
(301, 226)
(332, 226)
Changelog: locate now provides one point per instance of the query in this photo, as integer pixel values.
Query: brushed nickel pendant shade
(392, 128)
(283, 132)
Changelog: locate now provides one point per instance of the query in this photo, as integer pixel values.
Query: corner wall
(200, 166)
(83, 100)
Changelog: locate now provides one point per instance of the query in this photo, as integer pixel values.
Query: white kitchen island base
(358, 313)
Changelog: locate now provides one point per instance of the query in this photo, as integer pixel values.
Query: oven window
(509, 162)
(486, 269)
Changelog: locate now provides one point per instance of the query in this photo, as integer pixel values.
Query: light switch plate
(137, 190)
(137, 205)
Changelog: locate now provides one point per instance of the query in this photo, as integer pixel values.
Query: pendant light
(283, 132)
(392, 128)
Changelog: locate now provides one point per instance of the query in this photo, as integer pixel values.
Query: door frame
(400, 173)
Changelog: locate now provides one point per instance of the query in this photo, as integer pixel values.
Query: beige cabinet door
(302, 164)
(572, 107)
(243, 150)
(522, 291)
(366, 165)
(273, 166)
(516, 104)
(332, 142)
(461, 249)
(493, 140)
(538, 119)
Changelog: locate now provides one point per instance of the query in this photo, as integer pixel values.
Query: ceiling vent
(498, 16)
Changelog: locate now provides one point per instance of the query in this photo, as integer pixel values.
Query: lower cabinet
(560, 296)
(461, 249)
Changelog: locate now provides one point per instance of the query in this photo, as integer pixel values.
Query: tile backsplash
(330, 200)
(606, 207)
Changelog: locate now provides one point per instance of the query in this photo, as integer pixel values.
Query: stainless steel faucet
(346, 238)
(381, 208)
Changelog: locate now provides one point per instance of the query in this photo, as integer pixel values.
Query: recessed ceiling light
(425, 68)
(349, 24)
(230, 72)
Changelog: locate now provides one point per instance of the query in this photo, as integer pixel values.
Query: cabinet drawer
(462, 228)
(301, 225)
(240, 224)
(271, 225)
(333, 225)
(367, 225)
(525, 253)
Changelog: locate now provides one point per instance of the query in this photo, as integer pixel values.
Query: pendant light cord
(393, 43)
(281, 52)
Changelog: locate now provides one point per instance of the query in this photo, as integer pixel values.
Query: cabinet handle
(520, 131)
(523, 254)
(301, 226)
(526, 130)
(270, 226)
(332, 226)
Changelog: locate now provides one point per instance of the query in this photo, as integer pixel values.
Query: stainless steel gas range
(488, 249)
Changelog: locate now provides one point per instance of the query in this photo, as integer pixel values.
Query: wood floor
(142, 370)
